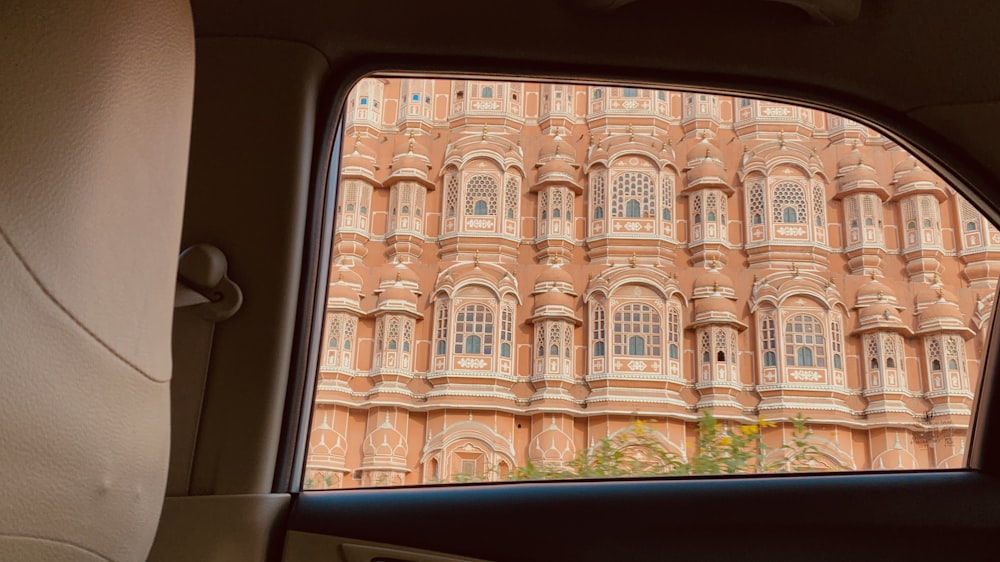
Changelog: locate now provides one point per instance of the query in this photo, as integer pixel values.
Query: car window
(549, 281)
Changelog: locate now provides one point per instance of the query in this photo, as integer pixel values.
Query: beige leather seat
(95, 115)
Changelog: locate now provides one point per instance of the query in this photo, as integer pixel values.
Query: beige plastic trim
(303, 547)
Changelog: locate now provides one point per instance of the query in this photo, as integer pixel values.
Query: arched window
(636, 345)
(545, 214)
(720, 356)
(912, 225)
(630, 92)
(706, 356)
(392, 345)
(970, 226)
(672, 351)
(757, 219)
(637, 320)
(890, 363)
(350, 207)
(631, 189)
(554, 350)
(789, 203)
(441, 328)
(474, 330)
(406, 347)
(599, 213)
(364, 210)
(506, 330)
(487, 92)
(666, 214)
(505, 349)
(632, 209)
(805, 343)
(874, 363)
(869, 221)
(711, 215)
(770, 359)
(697, 218)
(936, 365)
(598, 94)
(555, 213)
(481, 195)
(510, 213)
(347, 344)
(599, 349)
(837, 362)
(952, 365)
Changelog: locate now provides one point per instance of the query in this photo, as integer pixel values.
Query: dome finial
(631, 260)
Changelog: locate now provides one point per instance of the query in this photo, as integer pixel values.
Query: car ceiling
(924, 69)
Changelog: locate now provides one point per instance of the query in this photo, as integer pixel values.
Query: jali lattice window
(789, 203)
(805, 344)
(598, 330)
(637, 330)
(474, 330)
(481, 196)
(632, 190)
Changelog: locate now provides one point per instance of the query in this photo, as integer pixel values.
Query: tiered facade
(521, 269)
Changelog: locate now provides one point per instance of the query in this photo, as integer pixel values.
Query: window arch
(637, 320)
(474, 330)
(805, 345)
(789, 203)
(630, 92)
(481, 195)
(629, 187)
(487, 92)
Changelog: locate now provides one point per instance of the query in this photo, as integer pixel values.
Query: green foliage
(719, 449)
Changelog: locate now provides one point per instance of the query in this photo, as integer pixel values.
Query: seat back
(95, 116)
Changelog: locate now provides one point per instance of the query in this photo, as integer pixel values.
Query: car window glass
(547, 281)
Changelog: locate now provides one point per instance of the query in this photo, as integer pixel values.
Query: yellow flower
(764, 423)
(749, 430)
(726, 441)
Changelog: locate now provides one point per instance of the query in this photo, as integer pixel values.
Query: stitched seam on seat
(59, 542)
(69, 314)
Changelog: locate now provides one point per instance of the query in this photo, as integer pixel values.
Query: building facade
(520, 269)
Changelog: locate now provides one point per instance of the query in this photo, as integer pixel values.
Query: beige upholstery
(95, 114)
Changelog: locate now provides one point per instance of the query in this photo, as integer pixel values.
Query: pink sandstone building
(520, 269)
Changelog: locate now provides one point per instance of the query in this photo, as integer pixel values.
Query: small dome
(706, 169)
(853, 159)
(556, 167)
(943, 310)
(553, 297)
(875, 290)
(933, 294)
(860, 174)
(880, 313)
(555, 273)
(343, 291)
(714, 304)
(713, 280)
(347, 275)
(405, 274)
(910, 171)
(397, 293)
(360, 155)
(554, 146)
(704, 150)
